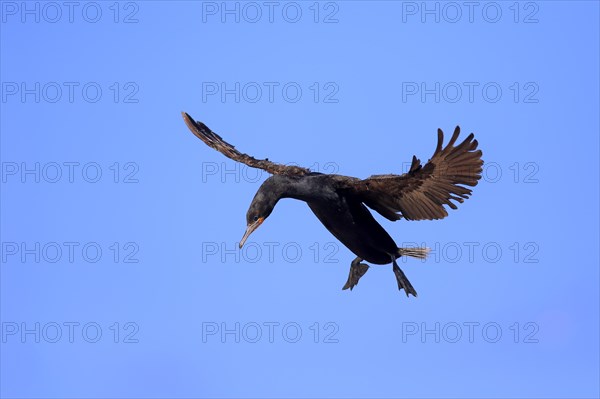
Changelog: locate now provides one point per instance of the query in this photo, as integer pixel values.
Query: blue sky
(120, 273)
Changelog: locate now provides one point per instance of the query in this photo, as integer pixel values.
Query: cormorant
(340, 202)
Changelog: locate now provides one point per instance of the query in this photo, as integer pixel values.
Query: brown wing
(215, 141)
(423, 191)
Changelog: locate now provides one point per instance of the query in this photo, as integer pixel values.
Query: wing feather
(215, 141)
(424, 191)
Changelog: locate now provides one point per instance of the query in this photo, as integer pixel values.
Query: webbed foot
(403, 283)
(357, 270)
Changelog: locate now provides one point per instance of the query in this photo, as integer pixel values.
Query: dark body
(348, 219)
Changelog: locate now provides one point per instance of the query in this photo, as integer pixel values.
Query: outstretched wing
(422, 192)
(215, 141)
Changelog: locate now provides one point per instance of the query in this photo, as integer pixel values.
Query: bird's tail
(420, 253)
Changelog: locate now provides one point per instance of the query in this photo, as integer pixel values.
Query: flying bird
(341, 202)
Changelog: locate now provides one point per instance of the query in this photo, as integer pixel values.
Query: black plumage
(340, 202)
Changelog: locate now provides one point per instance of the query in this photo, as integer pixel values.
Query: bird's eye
(255, 218)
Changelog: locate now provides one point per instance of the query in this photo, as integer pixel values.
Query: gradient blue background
(174, 211)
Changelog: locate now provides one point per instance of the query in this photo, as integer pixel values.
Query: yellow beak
(250, 229)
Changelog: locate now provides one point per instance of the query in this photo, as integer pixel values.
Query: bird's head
(261, 207)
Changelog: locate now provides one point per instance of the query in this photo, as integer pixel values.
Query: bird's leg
(403, 282)
(357, 270)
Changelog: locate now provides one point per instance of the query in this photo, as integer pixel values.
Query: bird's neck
(287, 187)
